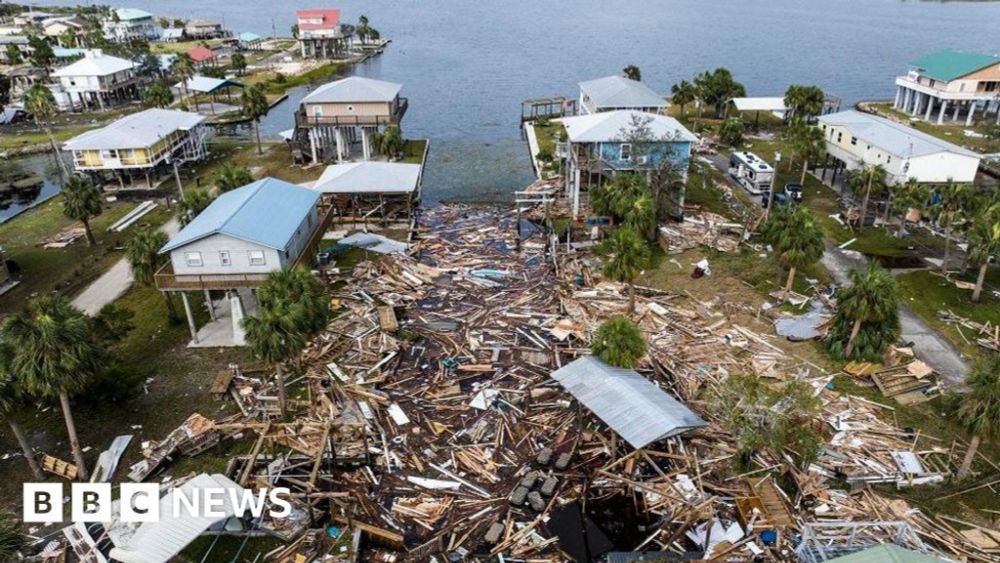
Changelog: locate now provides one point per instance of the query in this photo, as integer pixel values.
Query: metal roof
(887, 553)
(328, 18)
(173, 33)
(207, 84)
(267, 212)
(126, 14)
(354, 89)
(609, 126)
(892, 137)
(139, 130)
(95, 63)
(375, 243)
(635, 408)
(160, 541)
(950, 64)
(621, 92)
(248, 36)
(775, 103)
(369, 177)
(200, 53)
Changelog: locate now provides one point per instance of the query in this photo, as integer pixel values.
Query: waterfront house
(248, 41)
(58, 28)
(947, 84)
(99, 80)
(618, 93)
(243, 235)
(31, 18)
(202, 56)
(19, 41)
(855, 139)
(203, 29)
(172, 35)
(385, 191)
(130, 23)
(321, 35)
(338, 116)
(147, 144)
(600, 145)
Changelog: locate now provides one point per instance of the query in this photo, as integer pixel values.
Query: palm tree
(871, 298)
(42, 106)
(42, 54)
(388, 142)
(255, 107)
(641, 215)
(362, 29)
(14, 54)
(82, 202)
(804, 101)
(275, 338)
(299, 286)
(868, 176)
(984, 245)
(143, 254)
(731, 131)
(239, 63)
(54, 354)
(954, 197)
(189, 207)
(157, 95)
(628, 256)
(979, 412)
(10, 398)
(232, 176)
(910, 195)
(683, 93)
(619, 342)
(632, 72)
(796, 238)
(808, 144)
(183, 68)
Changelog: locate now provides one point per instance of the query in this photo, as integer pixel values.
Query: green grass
(548, 135)
(949, 130)
(181, 46)
(413, 151)
(19, 139)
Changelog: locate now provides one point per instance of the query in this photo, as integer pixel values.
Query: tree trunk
(631, 297)
(805, 169)
(171, 308)
(282, 396)
(256, 128)
(864, 203)
(902, 225)
(979, 281)
(791, 278)
(947, 243)
(970, 455)
(25, 447)
(74, 442)
(91, 241)
(55, 150)
(850, 341)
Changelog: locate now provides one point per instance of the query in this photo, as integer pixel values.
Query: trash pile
(426, 422)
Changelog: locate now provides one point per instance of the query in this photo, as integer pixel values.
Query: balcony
(939, 90)
(303, 120)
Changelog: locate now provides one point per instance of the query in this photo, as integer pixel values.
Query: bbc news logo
(140, 502)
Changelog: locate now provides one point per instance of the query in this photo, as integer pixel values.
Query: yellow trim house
(948, 83)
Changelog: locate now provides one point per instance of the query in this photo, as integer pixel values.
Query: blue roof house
(239, 238)
(600, 145)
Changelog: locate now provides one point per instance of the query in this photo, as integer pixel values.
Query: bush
(731, 131)
(545, 155)
(619, 342)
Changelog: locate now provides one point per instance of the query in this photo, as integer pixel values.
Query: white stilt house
(339, 116)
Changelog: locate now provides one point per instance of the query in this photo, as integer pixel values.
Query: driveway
(113, 283)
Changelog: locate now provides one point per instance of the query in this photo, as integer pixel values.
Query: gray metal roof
(207, 84)
(354, 89)
(621, 92)
(95, 63)
(139, 130)
(892, 137)
(369, 177)
(635, 408)
(610, 126)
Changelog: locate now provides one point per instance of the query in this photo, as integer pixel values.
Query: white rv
(751, 171)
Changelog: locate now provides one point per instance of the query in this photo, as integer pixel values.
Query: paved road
(113, 283)
(928, 345)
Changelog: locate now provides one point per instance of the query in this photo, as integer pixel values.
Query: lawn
(950, 131)
(276, 161)
(548, 134)
(181, 46)
(413, 151)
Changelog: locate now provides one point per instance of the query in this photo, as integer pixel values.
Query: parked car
(793, 190)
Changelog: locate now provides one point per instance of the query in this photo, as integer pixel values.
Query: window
(840, 136)
(625, 151)
(888, 159)
(193, 259)
(224, 258)
(256, 257)
(318, 111)
(854, 140)
(350, 109)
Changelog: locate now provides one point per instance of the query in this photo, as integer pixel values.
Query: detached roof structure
(369, 177)
(610, 126)
(141, 129)
(200, 53)
(775, 103)
(621, 92)
(207, 84)
(127, 14)
(266, 212)
(354, 89)
(325, 18)
(95, 63)
(635, 408)
(894, 138)
(248, 36)
(161, 541)
(950, 64)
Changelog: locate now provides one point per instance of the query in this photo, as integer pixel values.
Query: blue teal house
(603, 144)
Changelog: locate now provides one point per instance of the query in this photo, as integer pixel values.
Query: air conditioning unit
(642, 159)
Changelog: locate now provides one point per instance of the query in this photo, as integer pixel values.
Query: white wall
(939, 167)
(238, 249)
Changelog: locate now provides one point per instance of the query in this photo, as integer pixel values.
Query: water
(466, 65)
(41, 165)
